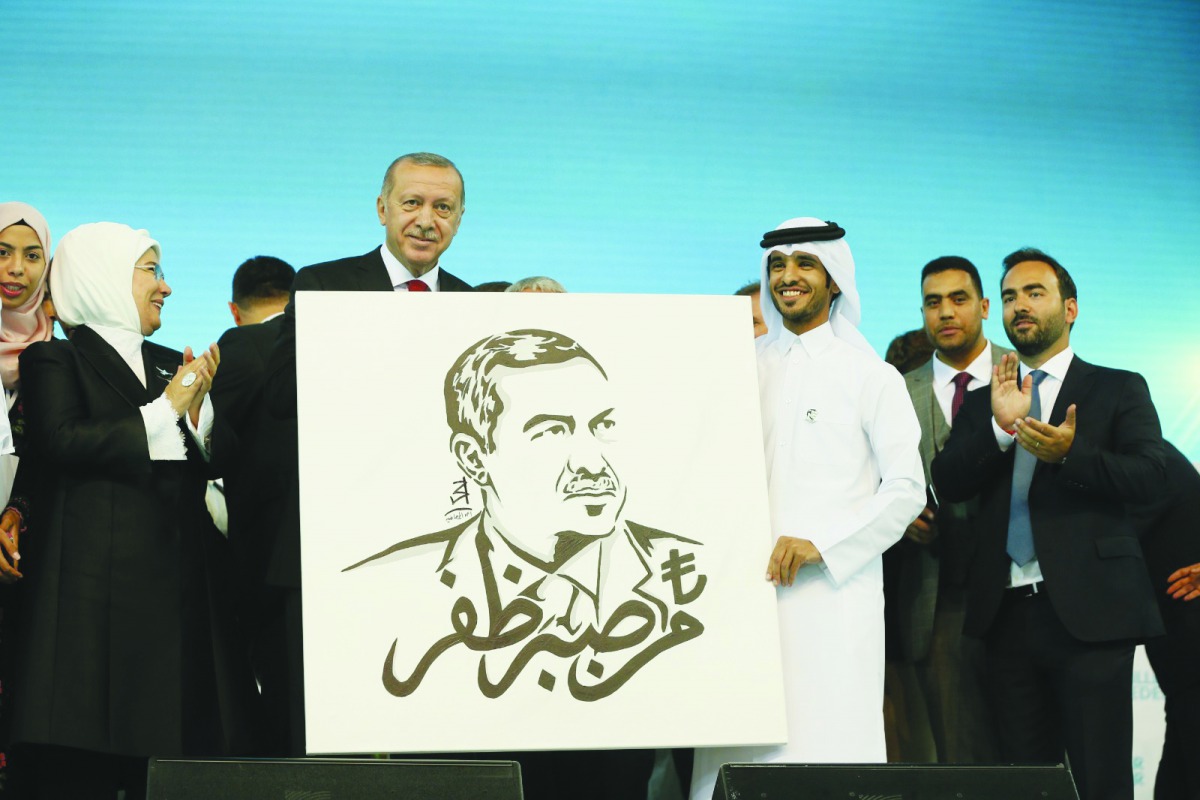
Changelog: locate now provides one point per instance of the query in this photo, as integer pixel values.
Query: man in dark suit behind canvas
(256, 455)
(1058, 586)
(420, 206)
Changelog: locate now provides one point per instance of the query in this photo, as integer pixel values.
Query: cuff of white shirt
(1003, 438)
(163, 437)
(822, 542)
(202, 432)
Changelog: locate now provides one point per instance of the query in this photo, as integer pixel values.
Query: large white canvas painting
(533, 521)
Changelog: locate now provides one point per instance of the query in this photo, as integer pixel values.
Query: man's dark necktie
(1020, 527)
(960, 393)
(417, 285)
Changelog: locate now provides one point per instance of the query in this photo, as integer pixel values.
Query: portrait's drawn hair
(472, 402)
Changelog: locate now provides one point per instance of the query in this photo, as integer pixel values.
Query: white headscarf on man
(92, 279)
(846, 311)
(28, 323)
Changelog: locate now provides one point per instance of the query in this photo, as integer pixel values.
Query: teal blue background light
(639, 147)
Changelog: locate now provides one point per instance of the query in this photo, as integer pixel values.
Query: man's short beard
(806, 314)
(1027, 348)
(960, 351)
(800, 316)
(1036, 342)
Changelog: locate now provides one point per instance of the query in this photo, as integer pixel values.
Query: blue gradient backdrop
(638, 147)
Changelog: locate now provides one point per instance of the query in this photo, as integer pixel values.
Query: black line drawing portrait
(544, 579)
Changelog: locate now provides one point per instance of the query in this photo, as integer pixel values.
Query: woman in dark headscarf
(122, 651)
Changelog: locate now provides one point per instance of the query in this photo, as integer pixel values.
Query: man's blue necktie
(1020, 527)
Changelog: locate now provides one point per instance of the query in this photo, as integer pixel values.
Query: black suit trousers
(1178, 776)
(1052, 692)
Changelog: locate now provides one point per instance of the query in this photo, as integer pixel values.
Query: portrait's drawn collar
(516, 576)
(583, 569)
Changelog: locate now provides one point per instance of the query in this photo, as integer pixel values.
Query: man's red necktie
(960, 393)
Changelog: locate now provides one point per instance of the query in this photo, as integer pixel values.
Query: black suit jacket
(365, 273)
(256, 454)
(1087, 546)
(125, 643)
(1170, 529)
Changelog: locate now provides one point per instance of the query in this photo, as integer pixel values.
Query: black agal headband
(816, 233)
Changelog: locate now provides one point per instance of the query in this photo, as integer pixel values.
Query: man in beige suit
(935, 676)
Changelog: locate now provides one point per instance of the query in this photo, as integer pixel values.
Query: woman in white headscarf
(122, 650)
(24, 254)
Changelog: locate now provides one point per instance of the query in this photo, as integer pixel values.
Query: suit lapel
(160, 368)
(449, 283)
(373, 275)
(938, 422)
(1076, 384)
(928, 406)
(941, 424)
(111, 368)
(935, 431)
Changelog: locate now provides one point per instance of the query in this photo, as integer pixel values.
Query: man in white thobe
(844, 480)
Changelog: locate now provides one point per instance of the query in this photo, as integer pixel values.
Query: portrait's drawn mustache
(589, 483)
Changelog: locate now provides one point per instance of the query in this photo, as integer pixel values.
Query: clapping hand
(192, 380)
(1049, 443)
(10, 533)
(1011, 397)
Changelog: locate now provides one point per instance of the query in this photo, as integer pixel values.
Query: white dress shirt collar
(399, 275)
(980, 369)
(1056, 367)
